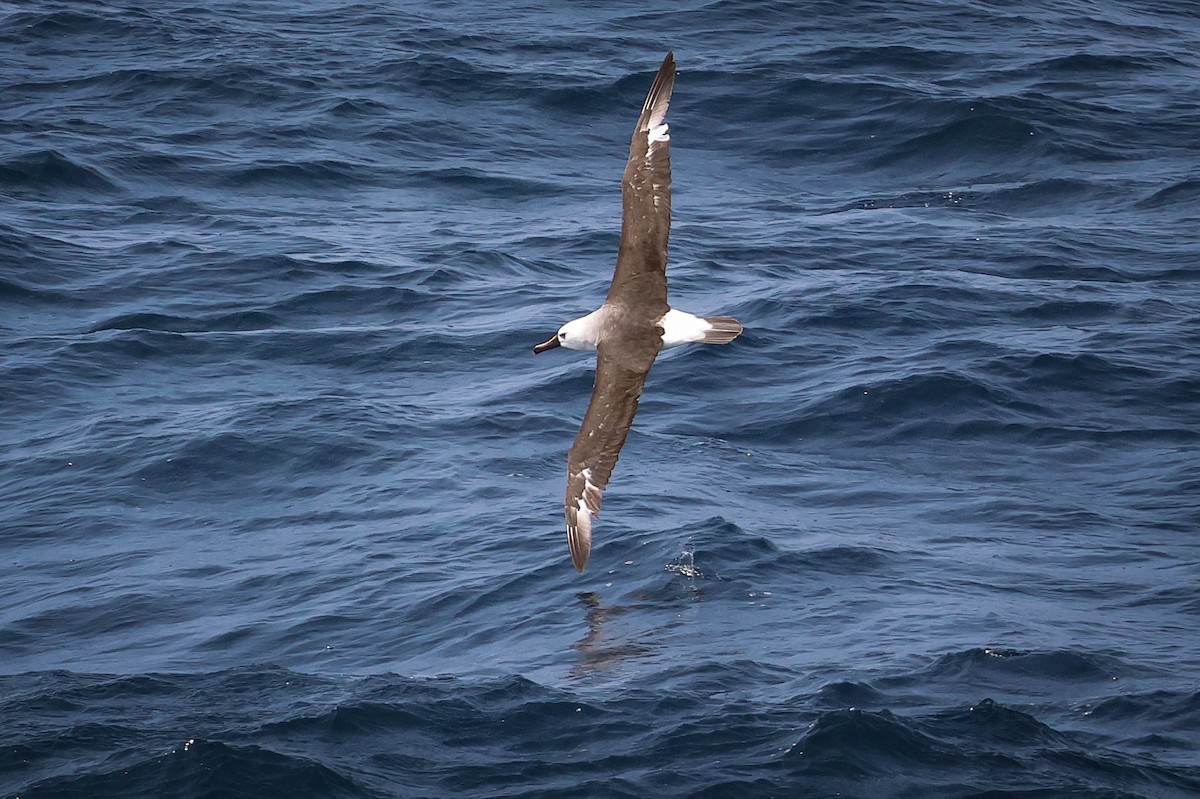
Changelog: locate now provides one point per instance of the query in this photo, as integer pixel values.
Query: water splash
(685, 564)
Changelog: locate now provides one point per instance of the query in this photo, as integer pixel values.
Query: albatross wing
(619, 382)
(631, 333)
(646, 202)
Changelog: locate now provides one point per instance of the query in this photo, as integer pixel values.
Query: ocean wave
(978, 137)
(1183, 193)
(205, 768)
(320, 729)
(853, 744)
(270, 283)
(55, 24)
(1004, 664)
(931, 404)
(51, 173)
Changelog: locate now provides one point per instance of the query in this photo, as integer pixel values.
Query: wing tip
(579, 560)
(659, 96)
(582, 507)
(579, 523)
(579, 539)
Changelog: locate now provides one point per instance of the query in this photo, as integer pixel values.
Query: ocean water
(281, 481)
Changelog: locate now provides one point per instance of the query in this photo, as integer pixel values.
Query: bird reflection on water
(602, 648)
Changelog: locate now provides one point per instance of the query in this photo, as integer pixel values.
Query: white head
(578, 334)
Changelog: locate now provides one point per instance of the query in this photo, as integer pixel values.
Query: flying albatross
(634, 322)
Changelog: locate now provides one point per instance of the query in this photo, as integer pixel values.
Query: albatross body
(634, 322)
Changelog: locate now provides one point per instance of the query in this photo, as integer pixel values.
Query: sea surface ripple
(280, 481)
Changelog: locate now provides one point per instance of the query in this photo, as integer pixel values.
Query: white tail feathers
(724, 329)
(681, 327)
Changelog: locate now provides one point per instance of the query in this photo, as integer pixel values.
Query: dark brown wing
(646, 203)
(590, 462)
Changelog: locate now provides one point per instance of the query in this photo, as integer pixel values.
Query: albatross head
(578, 334)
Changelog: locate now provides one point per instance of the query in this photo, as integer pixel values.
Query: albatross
(634, 323)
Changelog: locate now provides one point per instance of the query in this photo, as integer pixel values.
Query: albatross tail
(724, 329)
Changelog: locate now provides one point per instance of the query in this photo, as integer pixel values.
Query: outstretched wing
(646, 201)
(592, 457)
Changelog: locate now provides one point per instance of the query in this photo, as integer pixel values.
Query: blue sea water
(281, 482)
